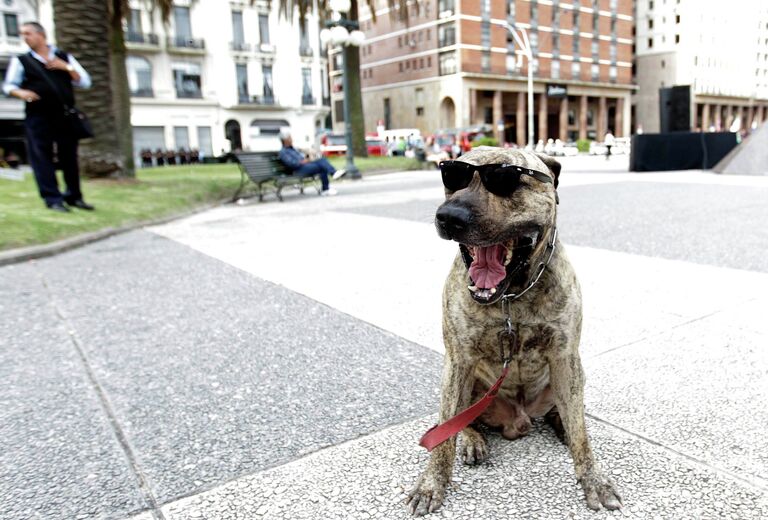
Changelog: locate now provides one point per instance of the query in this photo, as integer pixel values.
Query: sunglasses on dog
(499, 179)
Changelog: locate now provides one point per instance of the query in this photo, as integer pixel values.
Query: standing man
(301, 166)
(32, 77)
(609, 142)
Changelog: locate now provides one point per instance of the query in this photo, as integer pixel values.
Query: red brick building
(455, 64)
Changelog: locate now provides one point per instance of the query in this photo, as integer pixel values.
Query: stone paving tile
(699, 389)
(529, 478)
(59, 457)
(220, 374)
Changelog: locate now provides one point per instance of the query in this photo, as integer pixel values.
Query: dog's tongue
(487, 269)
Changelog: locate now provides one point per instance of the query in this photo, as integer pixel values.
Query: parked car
(376, 147)
(333, 144)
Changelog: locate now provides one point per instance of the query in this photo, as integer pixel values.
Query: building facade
(14, 13)
(218, 76)
(455, 64)
(721, 53)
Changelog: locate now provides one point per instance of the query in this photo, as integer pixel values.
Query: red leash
(440, 433)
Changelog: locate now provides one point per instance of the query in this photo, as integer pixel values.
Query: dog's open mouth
(493, 268)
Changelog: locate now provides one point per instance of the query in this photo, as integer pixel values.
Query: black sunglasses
(499, 179)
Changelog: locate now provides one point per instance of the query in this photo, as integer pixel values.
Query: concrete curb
(22, 254)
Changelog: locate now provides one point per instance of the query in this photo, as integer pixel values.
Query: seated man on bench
(303, 167)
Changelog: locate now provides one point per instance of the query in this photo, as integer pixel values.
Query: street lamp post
(344, 32)
(525, 46)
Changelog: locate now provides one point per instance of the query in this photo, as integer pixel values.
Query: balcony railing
(448, 39)
(187, 94)
(143, 38)
(306, 50)
(308, 99)
(257, 100)
(181, 42)
(143, 92)
(327, 101)
(240, 46)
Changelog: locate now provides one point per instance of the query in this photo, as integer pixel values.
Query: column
(563, 119)
(602, 118)
(543, 134)
(728, 117)
(718, 118)
(618, 124)
(705, 124)
(694, 116)
(472, 106)
(750, 116)
(498, 116)
(583, 117)
(742, 122)
(520, 119)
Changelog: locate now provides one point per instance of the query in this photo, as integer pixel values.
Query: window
(650, 24)
(511, 11)
(444, 5)
(186, 79)
(139, 76)
(11, 25)
(387, 113)
(269, 91)
(134, 24)
(181, 136)
(446, 35)
(650, 43)
(590, 117)
(419, 111)
(447, 63)
(650, 4)
(677, 38)
(264, 28)
(204, 143)
(238, 33)
(488, 113)
(571, 116)
(677, 18)
(241, 70)
(182, 23)
(595, 72)
(555, 69)
(306, 87)
(613, 73)
(401, 66)
(534, 14)
(575, 70)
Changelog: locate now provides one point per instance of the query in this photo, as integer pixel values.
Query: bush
(583, 145)
(485, 141)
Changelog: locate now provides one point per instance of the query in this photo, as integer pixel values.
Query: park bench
(267, 172)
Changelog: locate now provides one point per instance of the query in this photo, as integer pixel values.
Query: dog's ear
(552, 164)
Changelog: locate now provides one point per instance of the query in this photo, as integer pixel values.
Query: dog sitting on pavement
(511, 305)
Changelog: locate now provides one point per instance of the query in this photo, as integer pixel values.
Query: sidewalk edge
(22, 254)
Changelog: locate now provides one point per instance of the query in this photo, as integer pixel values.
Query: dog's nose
(453, 220)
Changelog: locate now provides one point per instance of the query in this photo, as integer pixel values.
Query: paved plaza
(281, 360)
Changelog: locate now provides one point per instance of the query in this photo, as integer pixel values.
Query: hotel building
(454, 64)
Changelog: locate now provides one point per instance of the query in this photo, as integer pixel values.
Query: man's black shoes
(80, 203)
(58, 206)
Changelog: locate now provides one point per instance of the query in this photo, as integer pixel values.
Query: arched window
(139, 76)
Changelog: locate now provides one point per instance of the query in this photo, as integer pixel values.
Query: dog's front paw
(599, 490)
(474, 448)
(427, 495)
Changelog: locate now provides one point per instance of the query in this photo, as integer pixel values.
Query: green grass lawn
(156, 192)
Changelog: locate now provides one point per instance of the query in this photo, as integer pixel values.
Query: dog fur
(545, 376)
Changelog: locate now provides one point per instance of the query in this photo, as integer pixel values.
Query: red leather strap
(440, 433)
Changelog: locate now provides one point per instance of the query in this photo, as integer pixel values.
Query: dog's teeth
(472, 288)
(493, 290)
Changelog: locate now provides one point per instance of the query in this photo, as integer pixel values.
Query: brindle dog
(506, 238)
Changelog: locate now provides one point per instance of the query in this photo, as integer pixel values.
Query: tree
(93, 32)
(398, 8)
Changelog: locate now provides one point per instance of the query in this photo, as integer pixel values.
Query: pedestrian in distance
(609, 142)
(44, 78)
(299, 165)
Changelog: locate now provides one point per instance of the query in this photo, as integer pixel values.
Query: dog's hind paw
(426, 497)
(473, 447)
(599, 491)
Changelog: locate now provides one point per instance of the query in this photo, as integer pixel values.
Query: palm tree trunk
(356, 116)
(80, 29)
